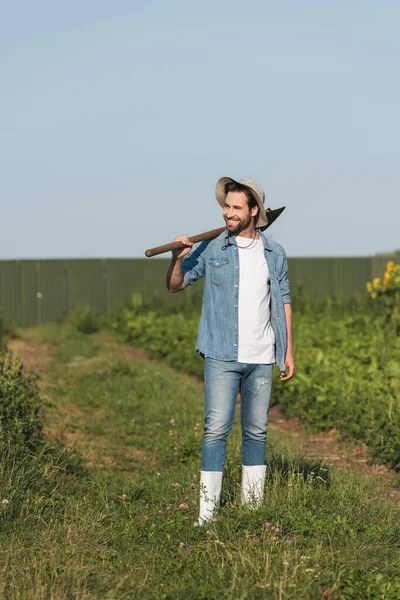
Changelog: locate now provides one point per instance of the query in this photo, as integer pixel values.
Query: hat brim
(221, 197)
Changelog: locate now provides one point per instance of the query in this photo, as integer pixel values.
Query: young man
(245, 327)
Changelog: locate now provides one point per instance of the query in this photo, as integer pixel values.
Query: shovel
(272, 215)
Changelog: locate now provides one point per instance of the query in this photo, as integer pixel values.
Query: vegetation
(20, 426)
(84, 319)
(7, 329)
(386, 293)
(117, 521)
(348, 365)
(348, 379)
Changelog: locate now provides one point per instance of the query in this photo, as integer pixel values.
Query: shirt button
(235, 305)
(235, 344)
(237, 266)
(235, 285)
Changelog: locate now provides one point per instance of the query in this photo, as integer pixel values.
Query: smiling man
(245, 327)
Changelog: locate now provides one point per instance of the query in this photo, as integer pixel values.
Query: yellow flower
(376, 282)
(388, 285)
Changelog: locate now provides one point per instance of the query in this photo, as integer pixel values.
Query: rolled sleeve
(284, 284)
(193, 267)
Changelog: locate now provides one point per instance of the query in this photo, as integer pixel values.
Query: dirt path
(35, 357)
(325, 446)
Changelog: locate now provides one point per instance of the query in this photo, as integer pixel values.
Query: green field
(114, 519)
(347, 354)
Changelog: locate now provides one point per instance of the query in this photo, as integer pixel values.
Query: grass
(105, 521)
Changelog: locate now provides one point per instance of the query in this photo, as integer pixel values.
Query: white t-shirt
(256, 337)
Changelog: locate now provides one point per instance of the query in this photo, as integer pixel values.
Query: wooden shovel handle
(207, 235)
(272, 215)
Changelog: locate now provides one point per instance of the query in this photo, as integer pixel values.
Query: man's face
(237, 213)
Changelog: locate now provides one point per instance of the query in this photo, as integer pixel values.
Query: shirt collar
(266, 241)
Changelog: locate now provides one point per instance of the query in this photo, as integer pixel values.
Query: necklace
(242, 247)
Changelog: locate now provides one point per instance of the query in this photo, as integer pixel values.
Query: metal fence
(38, 291)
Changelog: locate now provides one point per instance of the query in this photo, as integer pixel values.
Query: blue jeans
(223, 380)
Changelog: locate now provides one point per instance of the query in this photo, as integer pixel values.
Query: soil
(34, 357)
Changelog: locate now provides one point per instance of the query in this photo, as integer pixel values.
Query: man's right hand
(182, 252)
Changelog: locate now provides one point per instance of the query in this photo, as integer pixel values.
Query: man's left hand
(289, 362)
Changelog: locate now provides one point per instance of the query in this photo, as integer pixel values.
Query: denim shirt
(218, 261)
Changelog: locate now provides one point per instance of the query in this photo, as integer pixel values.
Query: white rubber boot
(210, 492)
(253, 480)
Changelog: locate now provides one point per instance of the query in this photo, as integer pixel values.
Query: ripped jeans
(223, 380)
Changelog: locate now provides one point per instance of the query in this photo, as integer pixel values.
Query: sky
(118, 118)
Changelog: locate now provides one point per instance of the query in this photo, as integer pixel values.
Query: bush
(20, 425)
(6, 329)
(84, 320)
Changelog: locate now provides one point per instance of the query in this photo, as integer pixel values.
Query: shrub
(6, 328)
(20, 425)
(84, 320)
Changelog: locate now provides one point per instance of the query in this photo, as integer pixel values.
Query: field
(103, 505)
(347, 355)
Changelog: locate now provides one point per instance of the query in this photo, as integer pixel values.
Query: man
(245, 327)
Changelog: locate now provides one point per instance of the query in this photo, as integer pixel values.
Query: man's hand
(174, 278)
(289, 362)
(181, 253)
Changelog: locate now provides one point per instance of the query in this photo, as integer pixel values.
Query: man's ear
(254, 211)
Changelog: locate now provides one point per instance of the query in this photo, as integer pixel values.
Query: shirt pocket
(218, 270)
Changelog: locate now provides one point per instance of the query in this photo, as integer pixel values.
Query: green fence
(38, 291)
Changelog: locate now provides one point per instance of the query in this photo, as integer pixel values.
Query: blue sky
(117, 119)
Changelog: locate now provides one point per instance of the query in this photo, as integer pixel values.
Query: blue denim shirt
(218, 261)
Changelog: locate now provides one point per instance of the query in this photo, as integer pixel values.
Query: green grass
(107, 523)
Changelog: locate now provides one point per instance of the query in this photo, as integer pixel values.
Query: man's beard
(241, 225)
